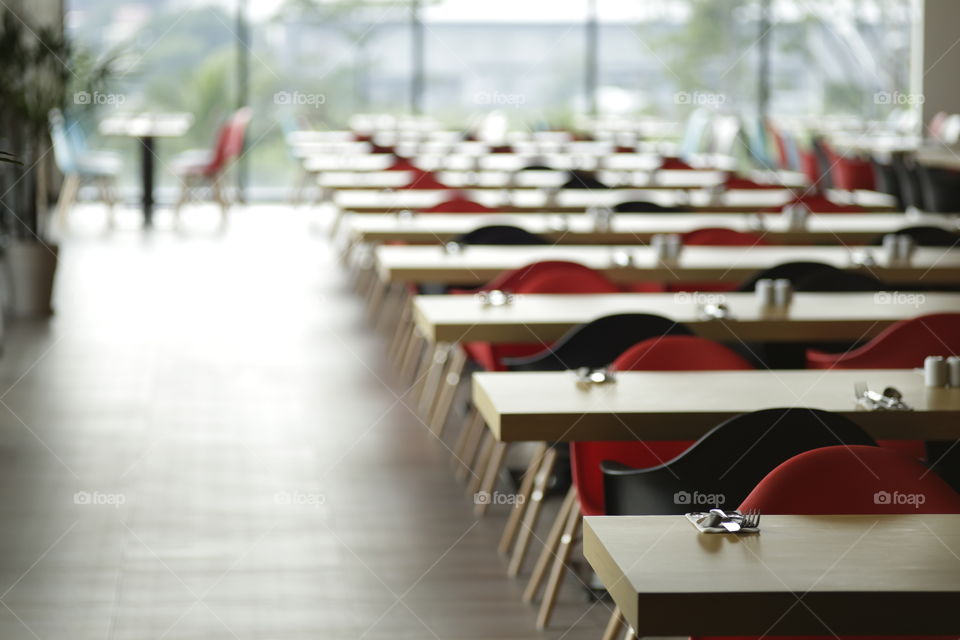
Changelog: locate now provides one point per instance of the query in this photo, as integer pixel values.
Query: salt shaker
(953, 371)
(905, 247)
(782, 292)
(764, 292)
(891, 247)
(674, 245)
(935, 371)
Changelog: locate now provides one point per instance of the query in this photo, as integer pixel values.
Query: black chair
(727, 462)
(885, 179)
(925, 236)
(536, 167)
(908, 181)
(815, 276)
(578, 179)
(642, 206)
(598, 343)
(940, 189)
(501, 234)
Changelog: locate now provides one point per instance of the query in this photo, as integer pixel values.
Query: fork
(751, 519)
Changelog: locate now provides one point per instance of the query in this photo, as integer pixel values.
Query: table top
(141, 125)
(547, 317)
(856, 574)
(941, 155)
(684, 405)
(539, 200)
(435, 228)
(479, 264)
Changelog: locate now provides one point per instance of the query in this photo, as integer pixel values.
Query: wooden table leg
(471, 447)
(614, 625)
(481, 463)
(523, 497)
(550, 546)
(490, 474)
(450, 382)
(559, 569)
(531, 515)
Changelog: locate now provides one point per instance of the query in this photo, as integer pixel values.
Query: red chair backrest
(510, 280)
(458, 204)
(424, 180)
(852, 479)
(903, 345)
(675, 164)
(849, 173)
(734, 181)
(722, 237)
(403, 164)
(229, 144)
(566, 279)
(810, 167)
(666, 353)
(818, 203)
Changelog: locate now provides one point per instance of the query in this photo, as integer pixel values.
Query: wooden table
(941, 156)
(547, 317)
(538, 200)
(480, 264)
(147, 127)
(629, 228)
(684, 405)
(816, 575)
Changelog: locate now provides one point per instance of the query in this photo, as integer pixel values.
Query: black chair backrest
(577, 179)
(598, 343)
(908, 181)
(885, 179)
(536, 167)
(815, 276)
(642, 206)
(502, 234)
(727, 463)
(925, 236)
(940, 189)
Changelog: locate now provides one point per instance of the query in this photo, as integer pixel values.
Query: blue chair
(80, 164)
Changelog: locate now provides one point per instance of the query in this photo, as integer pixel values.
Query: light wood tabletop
(480, 264)
(939, 155)
(628, 228)
(684, 405)
(800, 575)
(547, 317)
(539, 200)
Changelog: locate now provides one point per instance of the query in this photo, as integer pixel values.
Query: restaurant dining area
(457, 320)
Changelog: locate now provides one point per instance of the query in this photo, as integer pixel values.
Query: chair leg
(185, 189)
(531, 515)
(524, 492)
(614, 625)
(559, 569)
(220, 198)
(410, 362)
(68, 195)
(403, 333)
(450, 382)
(630, 634)
(550, 546)
(490, 475)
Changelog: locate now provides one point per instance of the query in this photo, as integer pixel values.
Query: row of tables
(657, 569)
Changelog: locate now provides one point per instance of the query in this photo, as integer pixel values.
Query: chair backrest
(662, 353)
(501, 234)
(229, 142)
(940, 188)
(62, 147)
(724, 466)
(643, 206)
(819, 203)
(510, 280)
(598, 343)
(721, 237)
(458, 204)
(578, 179)
(694, 133)
(925, 236)
(852, 480)
(815, 276)
(733, 181)
(423, 180)
(902, 345)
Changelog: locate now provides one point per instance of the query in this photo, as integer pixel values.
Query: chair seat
(99, 164)
(192, 162)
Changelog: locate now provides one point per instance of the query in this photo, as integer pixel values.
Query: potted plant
(39, 69)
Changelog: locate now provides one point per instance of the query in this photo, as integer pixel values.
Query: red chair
(818, 203)
(539, 277)
(197, 167)
(902, 345)
(675, 164)
(665, 353)
(458, 204)
(849, 173)
(402, 164)
(734, 181)
(849, 480)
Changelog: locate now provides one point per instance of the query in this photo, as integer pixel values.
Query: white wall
(936, 69)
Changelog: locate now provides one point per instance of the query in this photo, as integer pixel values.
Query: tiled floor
(205, 442)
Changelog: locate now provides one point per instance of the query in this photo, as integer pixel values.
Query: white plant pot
(32, 267)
